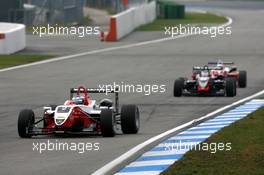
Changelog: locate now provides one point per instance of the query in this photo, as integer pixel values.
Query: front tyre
(130, 121)
(230, 87)
(26, 120)
(242, 79)
(178, 87)
(107, 123)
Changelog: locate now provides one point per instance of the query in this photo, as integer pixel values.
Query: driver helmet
(79, 100)
(220, 64)
(204, 74)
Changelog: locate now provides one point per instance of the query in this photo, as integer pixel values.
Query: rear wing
(93, 90)
(99, 91)
(226, 63)
(199, 68)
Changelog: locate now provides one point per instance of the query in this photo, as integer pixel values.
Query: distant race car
(228, 69)
(201, 83)
(81, 115)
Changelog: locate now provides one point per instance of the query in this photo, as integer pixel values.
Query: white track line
(237, 113)
(188, 137)
(105, 50)
(168, 152)
(214, 123)
(206, 127)
(91, 53)
(200, 132)
(225, 119)
(175, 146)
(140, 173)
(152, 162)
(230, 117)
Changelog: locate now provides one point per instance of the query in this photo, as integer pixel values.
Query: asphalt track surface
(158, 63)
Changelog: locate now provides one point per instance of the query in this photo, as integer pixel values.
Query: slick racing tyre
(235, 84)
(107, 123)
(130, 121)
(26, 120)
(242, 79)
(230, 87)
(178, 87)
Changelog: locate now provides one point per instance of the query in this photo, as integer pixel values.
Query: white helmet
(204, 74)
(79, 100)
(220, 64)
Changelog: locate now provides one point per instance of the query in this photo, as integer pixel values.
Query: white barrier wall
(145, 14)
(12, 38)
(124, 23)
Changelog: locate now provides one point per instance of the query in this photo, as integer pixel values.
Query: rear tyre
(26, 120)
(230, 87)
(107, 123)
(235, 84)
(178, 87)
(242, 79)
(130, 121)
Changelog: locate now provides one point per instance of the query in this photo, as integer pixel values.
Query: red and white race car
(222, 70)
(81, 115)
(202, 83)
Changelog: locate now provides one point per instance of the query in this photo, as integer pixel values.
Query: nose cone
(203, 82)
(62, 113)
(59, 120)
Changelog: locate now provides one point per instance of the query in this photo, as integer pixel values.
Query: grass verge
(14, 60)
(190, 18)
(245, 157)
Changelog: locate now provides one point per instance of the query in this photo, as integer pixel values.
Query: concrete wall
(12, 38)
(124, 23)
